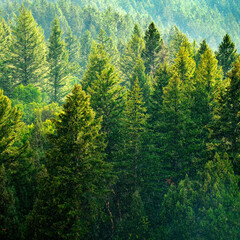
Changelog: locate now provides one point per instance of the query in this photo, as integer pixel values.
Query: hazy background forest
(119, 120)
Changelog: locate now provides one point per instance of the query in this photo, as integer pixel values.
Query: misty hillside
(198, 19)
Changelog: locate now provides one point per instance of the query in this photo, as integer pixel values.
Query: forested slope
(198, 19)
(108, 131)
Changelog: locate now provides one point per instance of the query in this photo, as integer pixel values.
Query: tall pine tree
(72, 193)
(226, 54)
(28, 51)
(153, 45)
(59, 67)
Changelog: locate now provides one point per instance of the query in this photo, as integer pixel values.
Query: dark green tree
(207, 81)
(160, 81)
(201, 51)
(203, 209)
(153, 45)
(225, 129)
(9, 221)
(71, 195)
(226, 54)
(132, 167)
(107, 100)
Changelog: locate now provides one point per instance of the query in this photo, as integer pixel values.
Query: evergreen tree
(86, 42)
(28, 51)
(201, 51)
(175, 40)
(72, 192)
(184, 64)
(98, 61)
(133, 50)
(135, 119)
(5, 42)
(177, 138)
(227, 54)
(108, 45)
(8, 216)
(208, 79)
(132, 165)
(143, 80)
(107, 100)
(225, 129)
(153, 44)
(161, 79)
(59, 71)
(73, 47)
(203, 209)
(16, 161)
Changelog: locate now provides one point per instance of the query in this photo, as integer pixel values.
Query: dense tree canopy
(145, 146)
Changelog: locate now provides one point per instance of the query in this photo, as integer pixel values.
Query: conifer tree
(131, 162)
(5, 42)
(184, 64)
(135, 119)
(28, 51)
(98, 60)
(133, 50)
(227, 54)
(225, 129)
(59, 70)
(107, 100)
(175, 40)
(177, 137)
(86, 42)
(8, 216)
(16, 163)
(201, 51)
(139, 73)
(161, 79)
(203, 209)
(108, 45)
(153, 45)
(207, 80)
(72, 192)
(73, 47)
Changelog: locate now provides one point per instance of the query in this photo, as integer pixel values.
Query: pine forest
(119, 120)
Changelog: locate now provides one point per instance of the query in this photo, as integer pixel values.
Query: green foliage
(176, 113)
(207, 81)
(153, 45)
(138, 73)
(5, 42)
(226, 54)
(201, 51)
(225, 129)
(72, 193)
(9, 221)
(98, 60)
(204, 209)
(28, 51)
(133, 51)
(59, 71)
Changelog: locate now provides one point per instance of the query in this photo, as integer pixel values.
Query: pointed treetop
(136, 30)
(227, 54)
